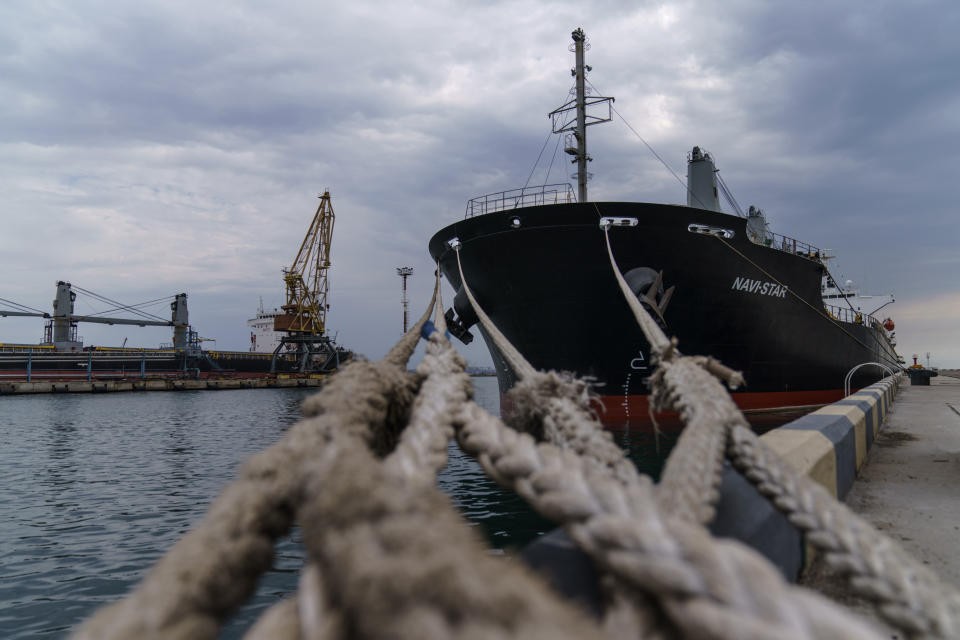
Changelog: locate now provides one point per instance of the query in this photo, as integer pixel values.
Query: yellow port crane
(306, 280)
(305, 312)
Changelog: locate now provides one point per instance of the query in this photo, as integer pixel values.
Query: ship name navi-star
(760, 287)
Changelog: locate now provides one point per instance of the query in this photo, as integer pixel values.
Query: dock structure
(158, 384)
(908, 488)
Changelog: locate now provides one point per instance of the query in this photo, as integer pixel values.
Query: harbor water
(94, 488)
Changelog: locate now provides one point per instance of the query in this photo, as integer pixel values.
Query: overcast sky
(149, 148)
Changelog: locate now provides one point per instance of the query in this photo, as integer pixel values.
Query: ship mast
(581, 131)
(574, 116)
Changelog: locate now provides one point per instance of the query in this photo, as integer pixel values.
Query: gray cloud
(151, 148)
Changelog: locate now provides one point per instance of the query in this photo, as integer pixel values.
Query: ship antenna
(573, 116)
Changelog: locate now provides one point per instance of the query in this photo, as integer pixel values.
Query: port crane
(305, 312)
(61, 328)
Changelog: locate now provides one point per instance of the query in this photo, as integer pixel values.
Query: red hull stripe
(616, 409)
(619, 410)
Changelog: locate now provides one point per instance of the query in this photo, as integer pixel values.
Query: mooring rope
(554, 406)
(387, 554)
(652, 541)
(906, 593)
(710, 416)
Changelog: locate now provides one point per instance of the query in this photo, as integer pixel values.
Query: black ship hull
(543, 276)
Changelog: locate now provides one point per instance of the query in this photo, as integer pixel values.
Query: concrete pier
(909, 487)
(163, 384)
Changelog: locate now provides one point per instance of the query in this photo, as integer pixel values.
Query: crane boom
(306, 279)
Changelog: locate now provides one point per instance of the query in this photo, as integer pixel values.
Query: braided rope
(214, 567)
(686, 384)
(424, 582)
(279, 622)
(556, 408)
(359, 476)
(703, 586)
(405, 561)
(373, 565)
(422, 449)
(907, 594)
(690, 482)
(659, 343)
(518, 363)
(706, 589)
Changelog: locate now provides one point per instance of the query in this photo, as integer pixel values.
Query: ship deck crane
(305, 310)
(61, 328)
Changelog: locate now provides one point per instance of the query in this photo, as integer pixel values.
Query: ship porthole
(515, 223)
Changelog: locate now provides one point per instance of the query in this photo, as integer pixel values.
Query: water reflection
(95, 488)
(61, 469)
(505, 518)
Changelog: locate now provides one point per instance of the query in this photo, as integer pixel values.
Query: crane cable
(120, 305)
(17, 305)
(651, 149)
(537, 161)
(133, 306)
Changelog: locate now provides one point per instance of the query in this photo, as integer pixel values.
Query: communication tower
(404, 273)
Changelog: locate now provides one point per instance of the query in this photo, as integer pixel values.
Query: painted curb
(829, 445)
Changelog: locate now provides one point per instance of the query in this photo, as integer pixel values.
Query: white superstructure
(847, 295)
(263, 339)
(840, 295)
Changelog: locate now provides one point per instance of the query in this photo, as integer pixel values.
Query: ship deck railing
(516, 198)
(84, 356)
(18, 348)
(133, 351)
(846, 314)
(787, 245)
(240, 355)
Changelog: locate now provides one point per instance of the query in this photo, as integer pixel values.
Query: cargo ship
(723, 284)
(263, 337)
